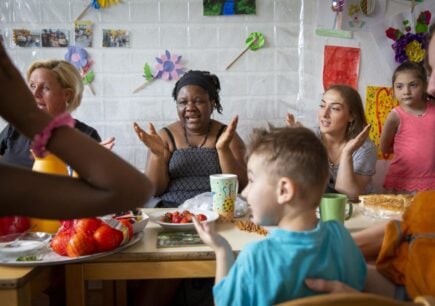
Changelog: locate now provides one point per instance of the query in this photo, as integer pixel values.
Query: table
(145, 261)
(19, 284)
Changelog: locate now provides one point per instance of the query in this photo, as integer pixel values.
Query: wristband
(40, 140)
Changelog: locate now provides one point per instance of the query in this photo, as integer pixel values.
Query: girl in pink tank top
(408, 133)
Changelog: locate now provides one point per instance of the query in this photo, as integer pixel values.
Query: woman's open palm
(353, 144)
(226, 137)
(152, 140)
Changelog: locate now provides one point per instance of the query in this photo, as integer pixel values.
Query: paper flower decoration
(410, 46)
(168, 68)
(79, 58)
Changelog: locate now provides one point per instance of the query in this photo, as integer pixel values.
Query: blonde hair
(68, 77)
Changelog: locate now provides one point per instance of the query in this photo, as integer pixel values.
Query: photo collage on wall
(61, 38)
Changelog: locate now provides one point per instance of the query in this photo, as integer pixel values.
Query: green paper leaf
(89, 77)
(147, 72)
(255, 41)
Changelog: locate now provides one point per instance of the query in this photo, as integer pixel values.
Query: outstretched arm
(223, 251)
(107, 183)
(231, 151)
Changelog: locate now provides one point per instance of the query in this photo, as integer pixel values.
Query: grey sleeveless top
(189, 171)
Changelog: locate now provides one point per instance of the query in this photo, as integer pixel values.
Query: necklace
(204, 141)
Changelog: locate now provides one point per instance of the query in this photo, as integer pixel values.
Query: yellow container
(53, 165)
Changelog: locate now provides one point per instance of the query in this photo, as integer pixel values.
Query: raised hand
(108, 143)
(353, 144)
(152, 140)
(226, 137)
(291, 121)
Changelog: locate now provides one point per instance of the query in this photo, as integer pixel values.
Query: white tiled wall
(285, 75)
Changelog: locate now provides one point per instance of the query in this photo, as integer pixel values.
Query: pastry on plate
(385, 205)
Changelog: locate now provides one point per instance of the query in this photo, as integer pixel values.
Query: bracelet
(40, 140)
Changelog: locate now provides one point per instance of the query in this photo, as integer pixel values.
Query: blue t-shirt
(274, 269)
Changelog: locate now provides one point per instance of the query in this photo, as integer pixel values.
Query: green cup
(224, 191)
(333, 207)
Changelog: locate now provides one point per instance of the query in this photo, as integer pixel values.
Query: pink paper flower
(168, 66)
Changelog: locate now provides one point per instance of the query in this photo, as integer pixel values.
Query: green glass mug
(333, 207)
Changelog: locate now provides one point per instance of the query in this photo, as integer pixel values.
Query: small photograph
(25, 38)
(116, 38)
(54, 38)
(83, 33)
(228, 7)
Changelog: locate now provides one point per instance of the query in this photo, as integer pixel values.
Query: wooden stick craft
(254, 42)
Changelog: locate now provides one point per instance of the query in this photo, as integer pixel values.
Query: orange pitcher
(48, 164)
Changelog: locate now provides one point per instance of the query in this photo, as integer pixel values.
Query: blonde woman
(57, 87)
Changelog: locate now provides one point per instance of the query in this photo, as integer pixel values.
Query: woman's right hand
(291, 121)
(152, 140)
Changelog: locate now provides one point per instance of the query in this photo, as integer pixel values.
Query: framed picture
(83, 33)
(116, 38)
(54, 38)
(228, 7)
(25, 38)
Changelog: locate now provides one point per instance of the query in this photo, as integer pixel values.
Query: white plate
(27, 244)
(45, 256)
(156, 217)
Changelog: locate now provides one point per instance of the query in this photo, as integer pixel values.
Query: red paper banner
(341, 66)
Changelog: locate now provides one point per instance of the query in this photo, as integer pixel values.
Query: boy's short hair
(293, 152)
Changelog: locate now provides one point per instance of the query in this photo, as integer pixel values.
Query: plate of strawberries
(182, 219)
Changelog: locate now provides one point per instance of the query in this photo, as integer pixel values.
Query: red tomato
(127, 223)
(107, 238)
(201, 217)
(87, 225)
(80, 244)
(60, 241)
(13, 224)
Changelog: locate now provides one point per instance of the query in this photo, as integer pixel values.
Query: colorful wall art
(228, 7)
(379, 103)
(341, 66)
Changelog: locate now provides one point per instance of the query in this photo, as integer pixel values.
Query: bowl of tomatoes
(182, 219)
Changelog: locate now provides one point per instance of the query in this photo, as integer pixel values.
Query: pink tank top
(413, 164)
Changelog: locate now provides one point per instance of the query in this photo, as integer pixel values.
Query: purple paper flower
(168, 66)
(410, 47)
(77, 56)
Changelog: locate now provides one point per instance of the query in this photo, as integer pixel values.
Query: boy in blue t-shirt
(287, 174)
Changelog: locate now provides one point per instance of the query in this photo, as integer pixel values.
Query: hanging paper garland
(97, 4)
(410, 46)
(80, 59)
(168, 68)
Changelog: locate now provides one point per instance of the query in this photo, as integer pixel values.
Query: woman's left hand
(353, 144)
(226, 137)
